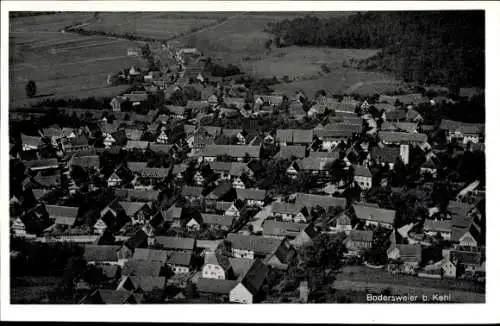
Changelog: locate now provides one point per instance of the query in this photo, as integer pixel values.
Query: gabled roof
(466, 257)
(287, 152)
(171, 214)
(40, 164)
(396, 137)
(90, 161)
(250, 194)
(238, 151)
(214, 286)
(139, 268)
(254, 278)
(294, 135)
(215, 219)
(286, 208)
(30, 140)
(182, 258)
(314, 163)
(112, 296)
(157, 148)
(310, 200)
(221, 190)
(362, 171)
(386, 154)
(136, 194)
(131, 208)
(100, 253)
(375, 214)
(48, 181)
(148, 283)
(56, 211)
(333, 155)
(464, 128)
(149, 255)
(410, 252)
(240, 265)
(437, 226)
(260, 245)
(282, 229)
(176, 243)
(136, 144)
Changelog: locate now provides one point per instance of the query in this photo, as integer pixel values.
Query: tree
(268, 45)
(30, 89)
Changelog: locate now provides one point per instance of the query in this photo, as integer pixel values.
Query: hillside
(428, 47)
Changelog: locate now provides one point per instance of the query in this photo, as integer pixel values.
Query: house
(317, 109)
(88, 162)
(296, 109)
(121, 176)
(409, 254)
(224, 191)
(198, 179)
(314, 165)
(249, 286)
(358, 240)
(162, 138)
(239, 134)
(100, 254)
(192, 194)
(137, 195)
(105, 296)
(463, 132)
(294, 136)
(311, 201)
(363, 177)
(396, 138)
(253, 246)
(170, 216)
(18, 227)
(217, 266)
(136, 145)
(176, 243)
(251, 196)
(160, 148)
(387, 155)
(375, 216)
(342, 223)
(228, 208)
(139, 268)
(63, 215)
(180, 261)
(138, 212)
(41, 165)
(466, 264)
(213, 221)
(434, 227)
(141, 284)
(282, 230)
(236, 102)
(237, 152)
(289, 212)
(267, 100)
(30, 142)
(291, 152)
(150, 255)
(215, 288)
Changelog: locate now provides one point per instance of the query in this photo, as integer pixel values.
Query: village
(201, 185)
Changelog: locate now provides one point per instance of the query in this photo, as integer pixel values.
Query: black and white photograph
(246, 156)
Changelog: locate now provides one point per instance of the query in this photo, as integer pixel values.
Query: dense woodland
(428, 47)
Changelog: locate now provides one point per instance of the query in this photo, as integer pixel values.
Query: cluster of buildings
(144, 231)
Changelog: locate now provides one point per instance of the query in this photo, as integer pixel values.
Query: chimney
(404, 152)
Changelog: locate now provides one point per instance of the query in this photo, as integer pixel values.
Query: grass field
(32, 289)
(364, 279)
(62, 65)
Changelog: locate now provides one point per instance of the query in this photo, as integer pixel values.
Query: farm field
(62, 65)
(158, 25)
(361, 278)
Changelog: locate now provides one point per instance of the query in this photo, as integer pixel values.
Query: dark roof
(102, 253)
(240, 265)
(91, 161)
(314, 163)
(176, 243)
(310, 200)
(285, 229)
(410, 252)
(375, 214)
(149, 255)
(287, 152)
(209, 285)
(139, 268)
(403, 137)
(260, 245)
(182, 258)
(333, 155)
(362, 171)
(136, 194)
(113, 296)
(215, 219)
(465, 257)
(254, 278)
(221, 190)
(231, 150)
(148, 283)
(286, 208)
(56, 211)
(44, 163)
(294, 135)
(250, 194)
(386, 154)
(437, 226)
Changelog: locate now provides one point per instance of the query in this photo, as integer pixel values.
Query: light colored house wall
(240, 294)
(213, 271)
(240, 253)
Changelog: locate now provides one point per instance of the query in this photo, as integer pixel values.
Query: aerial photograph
(209, 157)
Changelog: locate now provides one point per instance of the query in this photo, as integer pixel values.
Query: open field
(158, 25)
(362, 279)
(62, 65)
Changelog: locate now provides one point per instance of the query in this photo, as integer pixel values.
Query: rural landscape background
(370, 82)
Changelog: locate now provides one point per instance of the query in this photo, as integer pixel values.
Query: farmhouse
(375, 216)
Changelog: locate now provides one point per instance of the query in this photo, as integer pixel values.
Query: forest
(427, 47)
